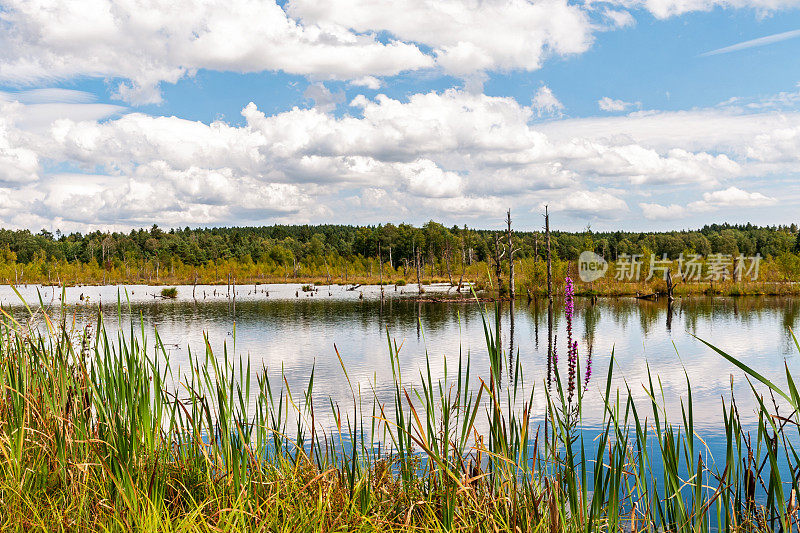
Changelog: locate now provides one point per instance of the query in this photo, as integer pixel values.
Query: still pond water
(283, 329)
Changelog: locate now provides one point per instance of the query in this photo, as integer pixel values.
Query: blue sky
(656, 62)
(204, 113)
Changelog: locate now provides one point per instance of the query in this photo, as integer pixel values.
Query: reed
(99, 432)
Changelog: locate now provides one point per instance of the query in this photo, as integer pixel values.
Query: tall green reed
(104, 418)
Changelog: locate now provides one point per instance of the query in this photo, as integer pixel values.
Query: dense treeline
(286, 244)
(338, 251)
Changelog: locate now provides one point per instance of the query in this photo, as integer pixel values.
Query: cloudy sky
(631, 114)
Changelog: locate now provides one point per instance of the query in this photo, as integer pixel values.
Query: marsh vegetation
(100, 431)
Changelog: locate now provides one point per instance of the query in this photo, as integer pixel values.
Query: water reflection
(289, 331)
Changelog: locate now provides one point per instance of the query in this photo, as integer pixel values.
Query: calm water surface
(282, 329)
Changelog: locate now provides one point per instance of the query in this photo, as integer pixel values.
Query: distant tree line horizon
(290, 244)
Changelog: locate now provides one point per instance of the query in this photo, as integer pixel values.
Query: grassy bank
(99, 432)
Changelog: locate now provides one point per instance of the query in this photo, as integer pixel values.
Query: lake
(282, 329)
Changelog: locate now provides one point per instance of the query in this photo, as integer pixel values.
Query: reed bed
(98, 432)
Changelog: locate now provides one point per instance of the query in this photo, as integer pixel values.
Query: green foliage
(285, 244)
(349, 254)
(169, 292)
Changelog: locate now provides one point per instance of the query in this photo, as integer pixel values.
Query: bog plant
(99, 432)
(169, 292)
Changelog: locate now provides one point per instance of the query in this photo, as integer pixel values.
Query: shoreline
(439, 292)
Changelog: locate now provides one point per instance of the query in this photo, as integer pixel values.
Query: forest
(348, 254)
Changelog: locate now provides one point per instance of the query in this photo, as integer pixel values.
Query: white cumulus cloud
(711, 201)
(370, 82)
(146, 43)
(444, 154)
(669, 8)
(465, 35)
(545, 102)
(611, 105)
(731, 197)
(597, 204)
(139, 44)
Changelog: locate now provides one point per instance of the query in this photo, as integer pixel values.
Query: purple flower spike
(572, 346)
(573, 360)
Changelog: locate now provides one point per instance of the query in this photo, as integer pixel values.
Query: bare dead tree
(511, 250)
(419, 280)
(549, 298)
(380, 268)
(670, 287)
(463, 266)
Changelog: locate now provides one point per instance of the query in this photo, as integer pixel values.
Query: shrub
(169, 292)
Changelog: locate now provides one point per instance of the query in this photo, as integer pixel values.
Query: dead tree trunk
(380, 268)
(419, 280)
(463, 266)
(511, 281)
(670, 286)
(549, 299)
